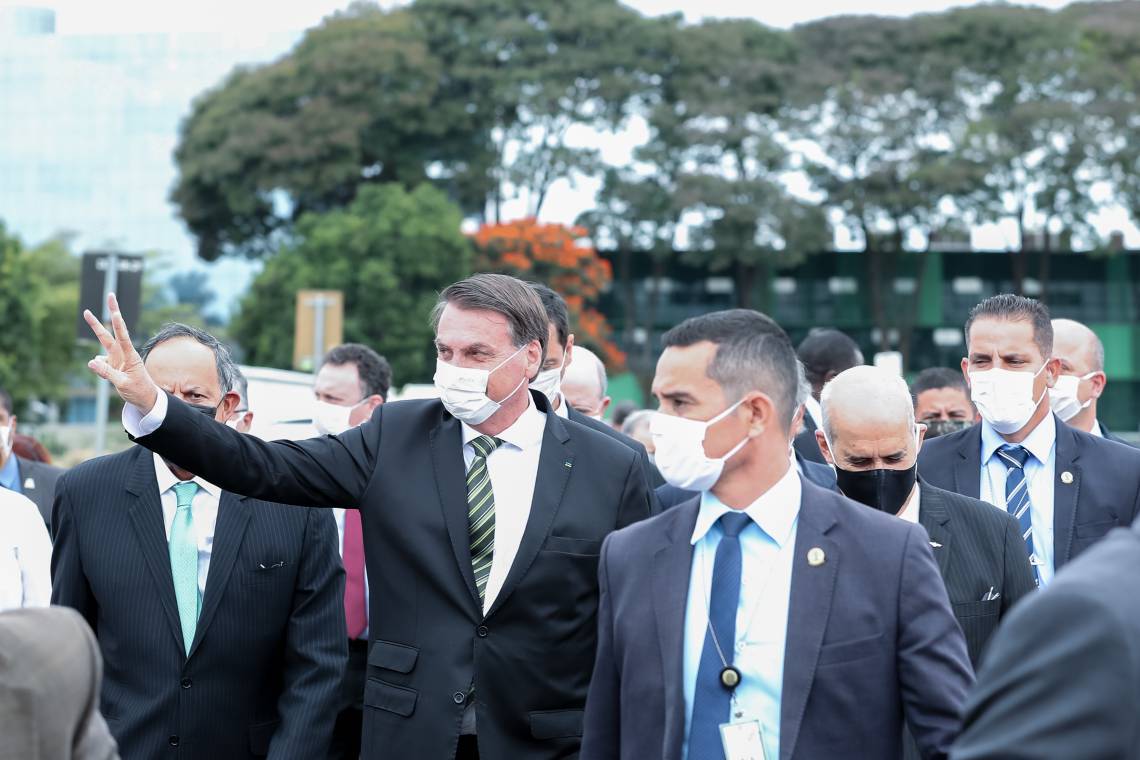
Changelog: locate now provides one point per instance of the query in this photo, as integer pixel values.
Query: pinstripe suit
(262, 674)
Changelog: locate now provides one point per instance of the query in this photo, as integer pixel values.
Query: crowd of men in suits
(794, 556)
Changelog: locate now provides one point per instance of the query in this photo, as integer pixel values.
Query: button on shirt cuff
(138, 424)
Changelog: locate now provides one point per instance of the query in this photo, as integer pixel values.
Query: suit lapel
(1065, 494)
(671, 573)
(808, 611)
(968, 466)
(446, 441)
(933, 516)
(150, 530)
(555, 463)
(233, 517)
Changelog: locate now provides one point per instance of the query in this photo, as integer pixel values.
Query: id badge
(743, 740)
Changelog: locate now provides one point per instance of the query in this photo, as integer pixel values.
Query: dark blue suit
(1103, 491)
(264, 669)
(871, 637)
(820, 474)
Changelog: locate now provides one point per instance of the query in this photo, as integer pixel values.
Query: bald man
(584, 385)
(1082, 380)
(870, 436)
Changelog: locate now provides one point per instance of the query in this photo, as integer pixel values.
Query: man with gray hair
(783, 621)
(482, 515)
(869, 435)
(219, 618)
(1082, 380)
(585, 384)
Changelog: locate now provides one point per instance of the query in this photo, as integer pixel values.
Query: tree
(39, 301)
(556, 256)
(390, 252)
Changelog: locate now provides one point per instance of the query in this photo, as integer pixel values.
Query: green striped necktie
(481, 511)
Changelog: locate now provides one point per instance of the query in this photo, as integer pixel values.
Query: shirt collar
(563, 409)
(913, 504)
(526, 431)
(10, 474)
(1039, 443)
(1097, 430)
(775, 511)
(815, 411)
(166, 480)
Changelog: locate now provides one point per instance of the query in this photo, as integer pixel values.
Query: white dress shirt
(1039, 472)
(513, 468)
(910, 509)
(1097, 430)
(563, 409)
(767, 549)
(203, 508)
(25, 554)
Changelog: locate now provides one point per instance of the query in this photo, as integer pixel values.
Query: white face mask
(1005, 398)
(331, 419)
(463, 391)
(549, 382)
(1064, 399)
(6, 439)
(679, 454)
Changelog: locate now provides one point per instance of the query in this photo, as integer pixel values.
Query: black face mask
(209, 411)
(885, 490)
(935, 428)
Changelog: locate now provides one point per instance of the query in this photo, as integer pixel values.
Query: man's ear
(821, 439)
(966, 370)
(230, 402)
(372, 402)
(1098, 383)
(1052, 372)
(605, 405)
(568, 355)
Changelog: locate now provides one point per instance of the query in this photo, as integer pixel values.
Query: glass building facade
(88, 126)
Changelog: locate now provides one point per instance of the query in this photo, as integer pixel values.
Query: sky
(94, 16)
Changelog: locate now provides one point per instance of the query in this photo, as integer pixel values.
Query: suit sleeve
(92, 737)
(934, 667)
(1018, 581)
(636, 501)
(1058, 681)
(316, 650)
(326, 471)
(69, 587)
(601, 732)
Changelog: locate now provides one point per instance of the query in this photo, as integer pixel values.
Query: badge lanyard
(730, 676)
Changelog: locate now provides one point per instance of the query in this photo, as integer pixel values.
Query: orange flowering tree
(557, 256)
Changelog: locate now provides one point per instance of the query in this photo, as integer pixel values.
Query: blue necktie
(712, 702)
(1017, 501)
(184, 561)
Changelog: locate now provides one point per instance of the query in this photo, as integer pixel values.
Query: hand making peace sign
(122, 366)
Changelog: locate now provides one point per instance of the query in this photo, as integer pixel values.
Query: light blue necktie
(1017, 501)
(184, 561)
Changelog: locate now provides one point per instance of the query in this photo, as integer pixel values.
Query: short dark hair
(6, 402)
(752, 353)
(374, 370)
(621, 412)
(936, 378)
(827, 351)
(502, 294)
(227, 369)
(1015, 308)
(556, 310)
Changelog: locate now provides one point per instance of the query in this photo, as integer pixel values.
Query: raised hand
(122, 366)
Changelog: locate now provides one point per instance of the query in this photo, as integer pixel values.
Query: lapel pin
(30, 483)
(568, 464)
(816, 557)
(1067, 477)
(935, 545)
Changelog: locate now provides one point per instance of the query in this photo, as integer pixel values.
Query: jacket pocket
(391, 656)
(976, 609)
(556, 724)
(1094, 529)
(260, 735)
(850, 651)
(394, 699)
(584, 546)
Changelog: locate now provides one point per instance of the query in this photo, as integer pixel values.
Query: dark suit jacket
(1111, 436)
(529, 657)
(805, 443)
(653, 477)
(263, 671)
(38, 482)
(1062, 676)
(870, 637)
(819, 474)
(1104, 492)
(49, 688)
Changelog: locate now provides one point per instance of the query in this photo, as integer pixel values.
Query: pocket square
(273, 566)
(935, 545)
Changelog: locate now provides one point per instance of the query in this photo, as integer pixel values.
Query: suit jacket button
(187, 683)
(482, 631)
(173, 741)
(459, 697)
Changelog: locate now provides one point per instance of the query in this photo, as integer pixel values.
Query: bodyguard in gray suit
(50, 672)
(766, 612)
(36, 480)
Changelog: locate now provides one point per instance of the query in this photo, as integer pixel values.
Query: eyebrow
(678, 396)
